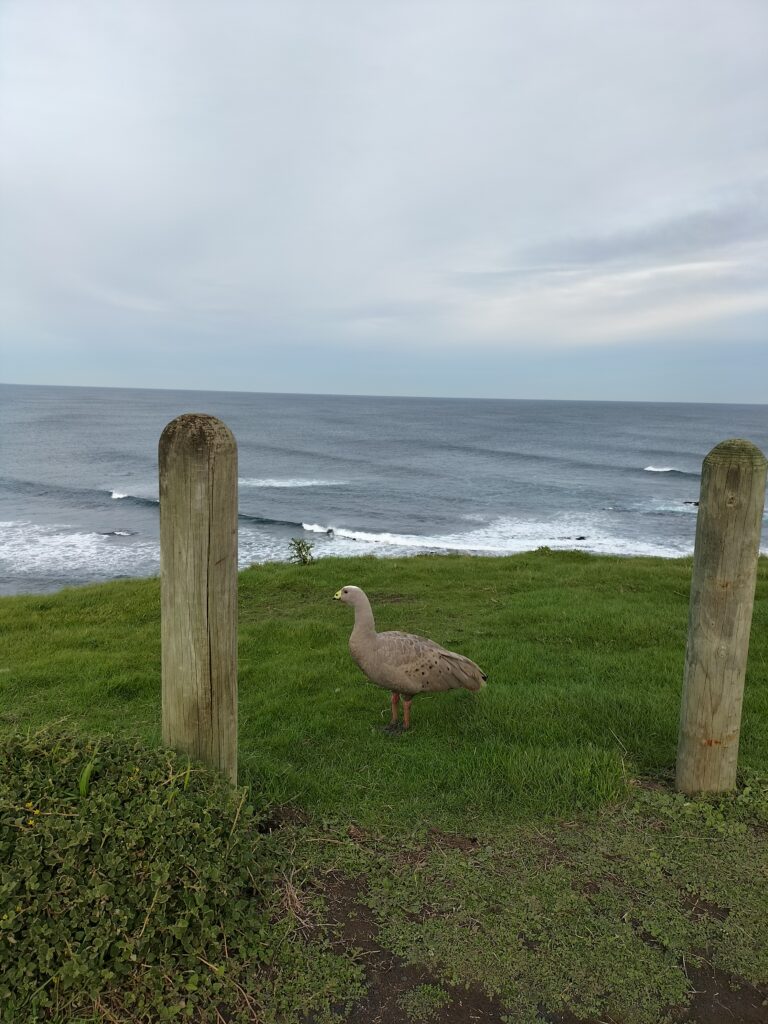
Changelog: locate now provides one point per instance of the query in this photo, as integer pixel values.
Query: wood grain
(198, 582)
(720, 615)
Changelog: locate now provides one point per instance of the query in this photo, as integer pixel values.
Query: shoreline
(543, 550)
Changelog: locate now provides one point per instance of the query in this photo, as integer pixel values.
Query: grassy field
(519, 854)
(584, 657)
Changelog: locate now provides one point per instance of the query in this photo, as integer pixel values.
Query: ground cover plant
(137, 886)
(517, 856)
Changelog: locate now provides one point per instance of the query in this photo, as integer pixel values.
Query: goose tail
(476, 680)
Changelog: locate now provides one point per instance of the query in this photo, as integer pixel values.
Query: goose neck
(364, 624)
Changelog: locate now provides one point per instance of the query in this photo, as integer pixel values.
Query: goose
(402, 662)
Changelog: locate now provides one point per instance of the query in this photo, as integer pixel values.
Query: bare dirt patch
(717, 997)
(716, 1002)
(389, 978)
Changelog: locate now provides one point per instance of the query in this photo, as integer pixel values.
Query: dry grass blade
(293, 904)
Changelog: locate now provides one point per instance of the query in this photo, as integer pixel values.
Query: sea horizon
(350, 394)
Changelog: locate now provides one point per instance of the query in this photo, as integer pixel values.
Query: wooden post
(720, 615)
(198, 589)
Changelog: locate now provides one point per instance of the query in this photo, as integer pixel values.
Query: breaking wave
(290, 482)
(134, 499)
(669, 469)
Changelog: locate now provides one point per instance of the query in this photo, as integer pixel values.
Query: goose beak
(337, 596)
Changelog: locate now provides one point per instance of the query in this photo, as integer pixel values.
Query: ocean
(387, 476)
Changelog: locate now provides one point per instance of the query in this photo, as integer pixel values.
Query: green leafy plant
(301, 551)
(137, 886)
(424, 1002)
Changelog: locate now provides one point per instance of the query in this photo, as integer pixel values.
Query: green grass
(520, 853)
(584, 656)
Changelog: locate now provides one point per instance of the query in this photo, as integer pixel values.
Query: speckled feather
(413, 664)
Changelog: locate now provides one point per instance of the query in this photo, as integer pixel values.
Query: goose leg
(407, 712)
(394, 724)
(395, 701)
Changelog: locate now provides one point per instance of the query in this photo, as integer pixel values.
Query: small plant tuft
(301, 551)
(423, 1003)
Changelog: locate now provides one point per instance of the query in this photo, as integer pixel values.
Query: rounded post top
(736, 449)
(199, 431)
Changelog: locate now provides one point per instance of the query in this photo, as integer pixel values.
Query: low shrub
(134, 886)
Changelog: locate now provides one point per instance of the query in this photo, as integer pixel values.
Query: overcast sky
(527, 198)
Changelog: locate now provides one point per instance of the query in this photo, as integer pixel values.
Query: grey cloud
(691, 235)
(717, 252)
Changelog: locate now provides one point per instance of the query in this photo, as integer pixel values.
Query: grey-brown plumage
(402, 662)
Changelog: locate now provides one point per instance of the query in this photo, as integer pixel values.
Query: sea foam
(54, 551)
(504, 535)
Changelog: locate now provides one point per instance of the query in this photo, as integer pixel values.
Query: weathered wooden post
(720, 615)
(198, 589)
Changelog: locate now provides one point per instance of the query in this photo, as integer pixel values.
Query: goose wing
(416, 665)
